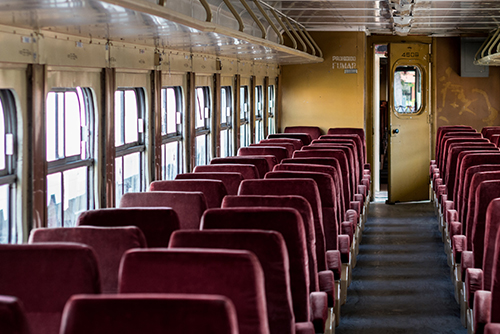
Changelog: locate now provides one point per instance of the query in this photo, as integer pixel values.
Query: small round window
(407, 90)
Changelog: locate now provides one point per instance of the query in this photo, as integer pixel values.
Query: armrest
(368, 166)
(359, 198)
(356, 206)
(446, 206)
(352, 216)
(345, 248)
(473, 283)
(304, 328)
(482, 310)
(363, 190)
(334, 263)
(467, 262)
(347, 228)
(319, 310)
(327, 285)
(459, 244)
(455, 229)
(492, 328)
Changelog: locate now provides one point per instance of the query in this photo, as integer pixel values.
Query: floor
(401, 283)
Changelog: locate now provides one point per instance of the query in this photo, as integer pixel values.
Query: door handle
(395, 131)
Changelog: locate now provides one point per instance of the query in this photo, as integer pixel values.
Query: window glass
(170, 157)
(2, 137)
(68, 143)
(129, 126)
(201, 150)
(226, 132)
(271, 110)
(202, 110)
(5, 221)
(259, 107)
(201, 107)
(244, 117)
(407, 90)
(169, 108)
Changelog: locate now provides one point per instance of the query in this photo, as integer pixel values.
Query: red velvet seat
(231, 180)
(297, 143)
(490, 132)
(270, 249)
(108, 243)
(304, 137)
(12, 316)
(149, 313)
(485, 129)
(330, 170)
(455, 140)
(355, 137)
(157, 224)
(288, 146)
(214, 190)
(442, 131)
(189, 206)
(358, 152)
(44, 276)
(357, 131)
(248, 171)
(495, 139)
(332, 227)
(279, 152)
(313, 131)
(288, 223)
(263, 163)
(200, 271)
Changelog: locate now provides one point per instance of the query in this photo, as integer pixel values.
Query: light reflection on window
(407, 90)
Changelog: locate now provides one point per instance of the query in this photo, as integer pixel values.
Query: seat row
(465, 182)
(288, 242)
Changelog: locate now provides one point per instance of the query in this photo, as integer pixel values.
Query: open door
(409, 122)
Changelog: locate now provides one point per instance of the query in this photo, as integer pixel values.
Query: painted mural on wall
(461, 100)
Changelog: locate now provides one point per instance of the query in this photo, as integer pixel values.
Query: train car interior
(249, 166)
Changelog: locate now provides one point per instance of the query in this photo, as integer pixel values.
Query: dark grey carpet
(401, 283)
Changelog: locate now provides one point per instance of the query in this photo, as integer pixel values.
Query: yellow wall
(319, 95)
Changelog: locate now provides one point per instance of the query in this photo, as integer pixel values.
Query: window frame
(245, 120)
(172, 137)
(68, 163)
(271, 109)
(259, 113)
(227, 124)
(205, 129)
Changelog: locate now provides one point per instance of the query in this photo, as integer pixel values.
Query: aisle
(401, 283)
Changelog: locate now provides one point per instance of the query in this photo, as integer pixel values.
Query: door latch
(395, 131)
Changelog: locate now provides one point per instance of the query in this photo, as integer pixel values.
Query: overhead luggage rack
(245, 29)
(489, 53)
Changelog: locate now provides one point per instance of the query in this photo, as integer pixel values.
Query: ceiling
(414, 17)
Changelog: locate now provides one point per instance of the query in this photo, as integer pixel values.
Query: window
(226, 114)
(407, 90)
(9, 232)
(129, 141)
(259, 114)
(244, 117)
(69, 143)
(271, 109)
(202, 109)
(171, 132)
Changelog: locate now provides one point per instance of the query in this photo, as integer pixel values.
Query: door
(409, 143)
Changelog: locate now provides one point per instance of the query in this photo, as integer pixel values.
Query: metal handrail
(314, 42)
(304, 37)
(285, 29)
(205, 5)
(235, 14)
(254, 17)
(271, 23)
(489, 42)
(304, 46)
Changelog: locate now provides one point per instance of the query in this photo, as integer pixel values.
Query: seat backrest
(442, 130)
(44, 276)
(108, 243)
(279, 152)
(248, 171)
(492, 225)
(270, 249)
(360, 143)
(495, 139)
(352, 160)
(288, 223)
(476, 181)
(304, 137)
(455, 140)
(460, 171)
(347, 180)
(345, 141)
(157, 224)
(491, 131)
(12, 316)
(189, 206)
(149, 313)
(314, 237)
(297, 143)
(463, 192)
(355, 131)
(313, 131)
(231, 180)
(465, 133)
(330, 170)
(331, 225)
(234, 274)
(486, 128)
(495, 283)
(214, 190)
(288, 146)
(263, 163)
